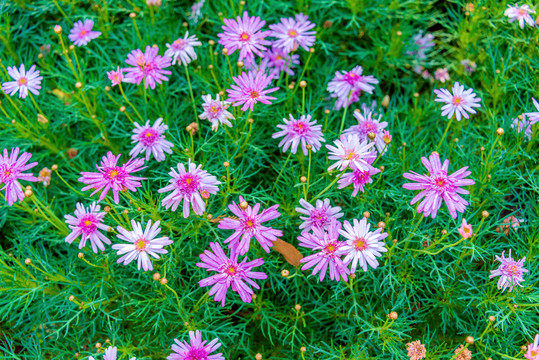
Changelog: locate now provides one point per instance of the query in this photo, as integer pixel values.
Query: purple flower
(87, 222)
(291, 34)
(420, 45)
(24, 81)
(249, 89)
(244, 34)
(469, 66)
(82, 33)
(11, 170)
(249, 225)
(362, 245)
(351, 152)
(147, 66)
(510, 272)
(142, 244)
(533, 117)
(319, 216)
(523, 125)
(230, 273)
(215, 111)
(183, 49)
(151, 139)
(196, 349)
(330, 250)
(366, 124)
(533, 349)
(441, 75)
(275, 61)
(358, 179)
(460, 102)
(196, 11)
(345, 85)
(111, 353)
(116, 77)
(186, 186)
(301, 131)
(438, 186)
(112, 176)
(520, 13)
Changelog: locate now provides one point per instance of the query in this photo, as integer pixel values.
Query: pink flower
(230, 273)
(420, 45)
(366, 124)
(301, 131)
(244, 34)
(11, 170)
(523, 125)
(350, 152)
(441, 75)
(183, 49)
(533, 117)
(510, 272)
(112, 176)
(276, 61)
(111, 353)
(460, 102)
(358, 179)
(438, 186)
(82, 33)
(520, 13)
(116, 77)
(87, 222)
(147, 66)
(347, 84)
(319, 216)
(196, 11)
(215, 111)
(142, 244)
(24, 81)
(186, 186)
(416, 350)
(465, 229)
(330, 250)
(249, 89)
(249, 225)
(196, 349)
(533, 350)
(151, 139)
(291, 34)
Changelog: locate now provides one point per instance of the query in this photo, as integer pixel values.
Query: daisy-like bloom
(351, 152)
(275, 61)
(344, 84)
(319, 216)
(244, 34)
(533, 117)
(141, 244)
(510, 272)
(110, 354)
(151, 139)
(196, 349)
(362, 246)
(45, 176)
(111, 176)
(11, 170)
(365, 125)
(147, 66)
(230, 273)
(358, 179)
(520, 13)
(291, 33)
(187, 186)
(511, 222)
(82, 33)
(345, 102)
(416, 350)
(442, 75)
(533, 350)
(196, 11)
(469, 66)
(215, 111)
(329, 251)
(183, 49)
(249, 89)
(155, 3)
(438, 186)
(86, 223)
(523, 125)
(301, 131)
(463, 353)
(24, 81)
(116, 77)
(420, 45)
(460, 102)
(465, 229)
(248, 225)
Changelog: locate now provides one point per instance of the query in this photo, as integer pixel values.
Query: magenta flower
(438, 186)
(460, 102)
(249, 225)
(244, 34)
(319, 216)
(533, 116)
(345, 102)
(533, 350)
(523, 125)
(187, 186)
(301, 131)
(465, 229)
(330, 250)
(24, 81)
(420, 45)
(215, 111)
(275, 61)
(345, 84)
(358, 179)
(151, 139)
(11, 170)
(196, 349)
(82, 33)
(116, 77)
(87, 222)
(510, 272)
(183, 49)
(147, 66)
(520, 13)
(111, 353)
(141, 244)
(469, 66)
(249, 89)
(366, 124)
(351, 152)
(230, 273)
(291, 34)
(112, 176)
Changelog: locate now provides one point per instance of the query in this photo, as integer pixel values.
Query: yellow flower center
(245, 36)
(140, 244)
(231, 270)
(22, 81)
(214, 109)
(83, 32)
(87, 222)
(278, 57)
(350, 156)
(113, 174)
(148, 134)
(457, 100)
(249, 223)
(7, 172)
(331, 248)
(360, 243)
(254, 94)
(293, 33)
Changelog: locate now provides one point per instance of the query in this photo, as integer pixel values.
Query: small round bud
(122, 108)
(106, 208)
(382, 168)
(13, 122)
(156, 276)
(225, 51)
(185, 24)
(40, 56)
(240, 64)
(189, 128)
(366, 214)
(393, 315)
(80, 255)
(327, 111)
(523, 348)
(132, 15)
(226, 164)
(210, 66)
(253, 296)
(58, 29)
(399, 33)
(469, 340)
(186, 324)
(297, 307)
(309, 146)
(515, 306)
(71, 47)
(163, 281)
(258, 356)
(444, 232)
(54, 167)
(221, 93)
(395, 241)
(28, 193)
(489, 176)
(250, 121)
(27, 261)
(352, 276)
(404, 144)
(71, 298)
(125, 212)
(285, 273)
(520, 117)
(371, 135)
(381, 224)
(311, 50)
(107, 88)
(303, 84)
(98, 345)
(497, 71)
(291, 86)
(482, 148)
(485, 214)
(500, 132)
(491, 318)
(242, 3)
(303, 349)
(303, 179)
(244, 205)
(211, 42)
(385, 101)
(107, 341)
(78, 84)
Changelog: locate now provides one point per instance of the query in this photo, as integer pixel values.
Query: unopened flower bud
(381, 224)
(225, 51)
(78, 84)
(205, 194)
(485, 214)
(27, 261)
(303, 179)
(125, 212)
(385, 101)
(98, 345)
(71, 298)
(80, 255)
(366, 214)
(132, 15)
(399, 33)
(156, 276)
(469, 340)
(371, 135)
(28, 193)
(58, 29)
(393, 315)
(240, 64)
(54, 167)
(500, 131)
(327, 111)
(285, 273)
(163, 281)
(244, 205)
(303, 84)
(258, 356)
(209, 216)
(303, 349)
(444, 232)
(226, 164)
(491, 318)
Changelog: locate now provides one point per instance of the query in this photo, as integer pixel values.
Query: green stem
(445, 132)
(191, 93)
(327, 188)
(282, 169)
(129, 102)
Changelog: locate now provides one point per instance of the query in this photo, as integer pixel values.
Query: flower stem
(308, 175)
(282, 169)
(191, 93)
(129, 102)
(327, 188)
(445, 133)
(35, 104)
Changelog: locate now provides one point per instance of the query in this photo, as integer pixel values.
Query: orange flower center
(457, 100)
(140, 244)
(113, 174)
(22, 81)
(231, 270)
(293, 33)
(254, 94)
(7, 172)
(245, 36)
(83, 32)
(214, 109)
(522, 12)
(87, 222)
(278, 57)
